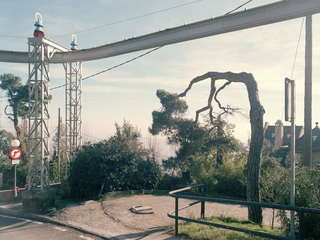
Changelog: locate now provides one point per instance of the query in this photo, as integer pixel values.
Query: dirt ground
(114, 215)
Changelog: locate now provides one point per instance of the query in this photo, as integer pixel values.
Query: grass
(202, 232)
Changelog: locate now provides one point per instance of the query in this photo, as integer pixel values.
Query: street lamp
(15, 143)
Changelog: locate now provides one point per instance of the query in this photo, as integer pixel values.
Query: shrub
(119, 163)
(231, 178)
(203, 171)
(173, 182)
(228, 178)
(275, 188)
(7, 168)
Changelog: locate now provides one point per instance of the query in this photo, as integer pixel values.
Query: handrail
(201, 199)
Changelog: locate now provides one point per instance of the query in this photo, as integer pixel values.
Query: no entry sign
(15, 153)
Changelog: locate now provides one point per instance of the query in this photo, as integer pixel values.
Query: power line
(295, 56)
(129, 19)
(12, 36)
(92, 137)
(121, 64)
(116, 66)
(238, 7)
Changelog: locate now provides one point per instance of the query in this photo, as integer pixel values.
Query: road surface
(22, 229)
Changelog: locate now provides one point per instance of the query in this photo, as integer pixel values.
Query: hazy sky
(128, 92)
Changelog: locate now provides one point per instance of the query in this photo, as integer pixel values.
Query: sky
(271, 53)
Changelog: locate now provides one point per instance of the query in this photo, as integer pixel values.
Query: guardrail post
(202, 204)
(176, 231)
(301, 225)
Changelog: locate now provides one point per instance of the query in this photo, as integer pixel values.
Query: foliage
(54, 175)
(228, 179)
(173, 182)
(203, 232)
(190, 137)
(60, 136)
(5, 141)
(172, 110)
(308, 195)
(17, 97)
(275, 182)
(232, 177)
(275, 188)
(6, 166)
(119, 163)
(203, 171)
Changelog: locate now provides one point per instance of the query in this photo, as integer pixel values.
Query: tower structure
(40, 51)
(73, 72)
(1, 127)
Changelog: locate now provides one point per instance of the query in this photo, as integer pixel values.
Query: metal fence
(202, 199)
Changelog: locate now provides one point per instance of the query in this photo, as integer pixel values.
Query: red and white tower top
(38, 32)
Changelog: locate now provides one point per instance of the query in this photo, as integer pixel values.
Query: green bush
(118, 164)
(203, 171)
(173, 182)
(231, 178)
(228, 178)
(275, 188)
(7, 168)
(274, 182)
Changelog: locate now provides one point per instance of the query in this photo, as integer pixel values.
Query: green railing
(177, 194)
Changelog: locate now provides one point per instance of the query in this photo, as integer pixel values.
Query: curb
(80, 227)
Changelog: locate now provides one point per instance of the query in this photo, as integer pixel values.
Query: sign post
(15, 155)
(290, 105)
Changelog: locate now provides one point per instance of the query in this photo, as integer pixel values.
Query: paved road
(12, 228)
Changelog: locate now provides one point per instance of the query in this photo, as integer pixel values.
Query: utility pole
(307, 161)
(58, 151)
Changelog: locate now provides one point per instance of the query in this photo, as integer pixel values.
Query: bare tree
(256, 120)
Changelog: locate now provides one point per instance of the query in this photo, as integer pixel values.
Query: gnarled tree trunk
(257, 134)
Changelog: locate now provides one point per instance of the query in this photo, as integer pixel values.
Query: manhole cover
(142, 210)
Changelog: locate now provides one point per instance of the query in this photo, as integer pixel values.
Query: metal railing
(202, 199)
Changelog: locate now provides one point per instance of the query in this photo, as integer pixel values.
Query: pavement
(113, 218)
(108, 219)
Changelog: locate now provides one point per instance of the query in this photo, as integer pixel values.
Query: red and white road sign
(15, 153)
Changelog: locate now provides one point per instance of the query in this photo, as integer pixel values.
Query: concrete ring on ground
(142, 210)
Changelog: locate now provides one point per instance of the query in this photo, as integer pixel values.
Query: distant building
(280, 136)
(315, 146)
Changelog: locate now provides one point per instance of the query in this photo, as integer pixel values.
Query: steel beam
(267, 14)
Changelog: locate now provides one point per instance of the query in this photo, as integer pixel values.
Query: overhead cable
(128, 19)
(121, 64)
(11, 36)
(298, 44)
(116, 66)
(238, 7)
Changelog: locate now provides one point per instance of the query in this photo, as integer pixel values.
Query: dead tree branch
(10, 115)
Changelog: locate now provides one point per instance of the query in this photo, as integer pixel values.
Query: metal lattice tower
(41, 51)
(73, 107)
(1, 111)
